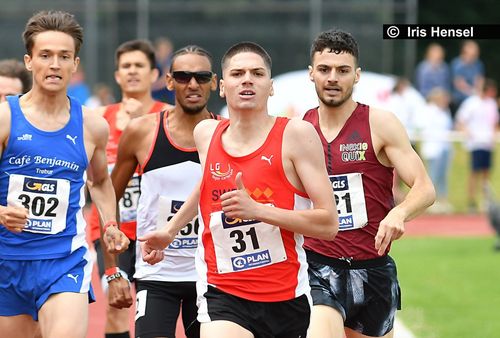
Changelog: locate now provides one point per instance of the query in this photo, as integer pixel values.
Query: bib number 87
(129, 198)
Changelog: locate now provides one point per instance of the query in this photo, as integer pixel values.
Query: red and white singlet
(248, 258)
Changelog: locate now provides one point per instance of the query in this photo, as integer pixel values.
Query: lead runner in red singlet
(262, 190)
(135, 74)
(353, 280)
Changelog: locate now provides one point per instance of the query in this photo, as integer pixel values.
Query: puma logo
(74, 277)
(72, 139)
(268, 159)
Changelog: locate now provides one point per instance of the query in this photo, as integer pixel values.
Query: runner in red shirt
(261, 178)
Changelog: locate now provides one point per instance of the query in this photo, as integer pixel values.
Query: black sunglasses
(184, 77)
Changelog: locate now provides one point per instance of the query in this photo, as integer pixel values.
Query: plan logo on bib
(251, 260)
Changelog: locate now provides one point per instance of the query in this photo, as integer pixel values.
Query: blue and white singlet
(44, 172)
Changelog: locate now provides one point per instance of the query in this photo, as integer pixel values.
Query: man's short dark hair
(337, 41)
(244, 47)
(58, 21)
(137, 45)
(15, 69)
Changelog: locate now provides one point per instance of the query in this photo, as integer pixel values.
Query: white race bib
(245, 244)
(47, 200)
(130, 200)
(187, 238)
(350, 200)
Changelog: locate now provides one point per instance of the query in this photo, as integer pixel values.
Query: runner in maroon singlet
(353, 280)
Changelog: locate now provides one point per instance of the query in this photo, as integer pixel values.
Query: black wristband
(113, 276)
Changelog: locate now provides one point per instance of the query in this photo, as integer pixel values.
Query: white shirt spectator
(479, 116)
(435, 131)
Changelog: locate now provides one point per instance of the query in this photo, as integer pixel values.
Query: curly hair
(337, 41)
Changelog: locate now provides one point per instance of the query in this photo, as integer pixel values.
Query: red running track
(450, 226)
(426, 225)
(97, 315)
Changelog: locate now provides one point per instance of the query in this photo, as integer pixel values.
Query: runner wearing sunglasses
(184, 77)
(163, 145)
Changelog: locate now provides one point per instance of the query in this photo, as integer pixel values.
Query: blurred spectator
(436, 147)
(478, 118)
(433, 71)
(14, 78)
(467, 73)
(163, 54)
(405, 102)
(77, 87)
(102, 96)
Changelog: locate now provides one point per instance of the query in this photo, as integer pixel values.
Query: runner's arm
(397, 150)
(153, 243)
(407, 163)
(126, 160)
(99, 182)
(13, 218)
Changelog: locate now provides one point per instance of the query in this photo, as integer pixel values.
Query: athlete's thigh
(381, 297)
(223, 329)
(350, 333)
(64, 315)
(22, 326)
(190, 310)
(157, 308)
(328, 286)
(18, 289)
(326, 322)
(288, 319)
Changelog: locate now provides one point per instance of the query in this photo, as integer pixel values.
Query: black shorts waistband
(347, 263)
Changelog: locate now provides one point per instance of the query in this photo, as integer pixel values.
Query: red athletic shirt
(248, 258)
(350, 160)
(127, 227)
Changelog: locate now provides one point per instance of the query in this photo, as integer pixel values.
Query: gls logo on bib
(40, 185)
(339, 183)
(228, 222)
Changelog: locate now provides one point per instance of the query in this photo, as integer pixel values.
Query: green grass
(450, 286)
(459, 170)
